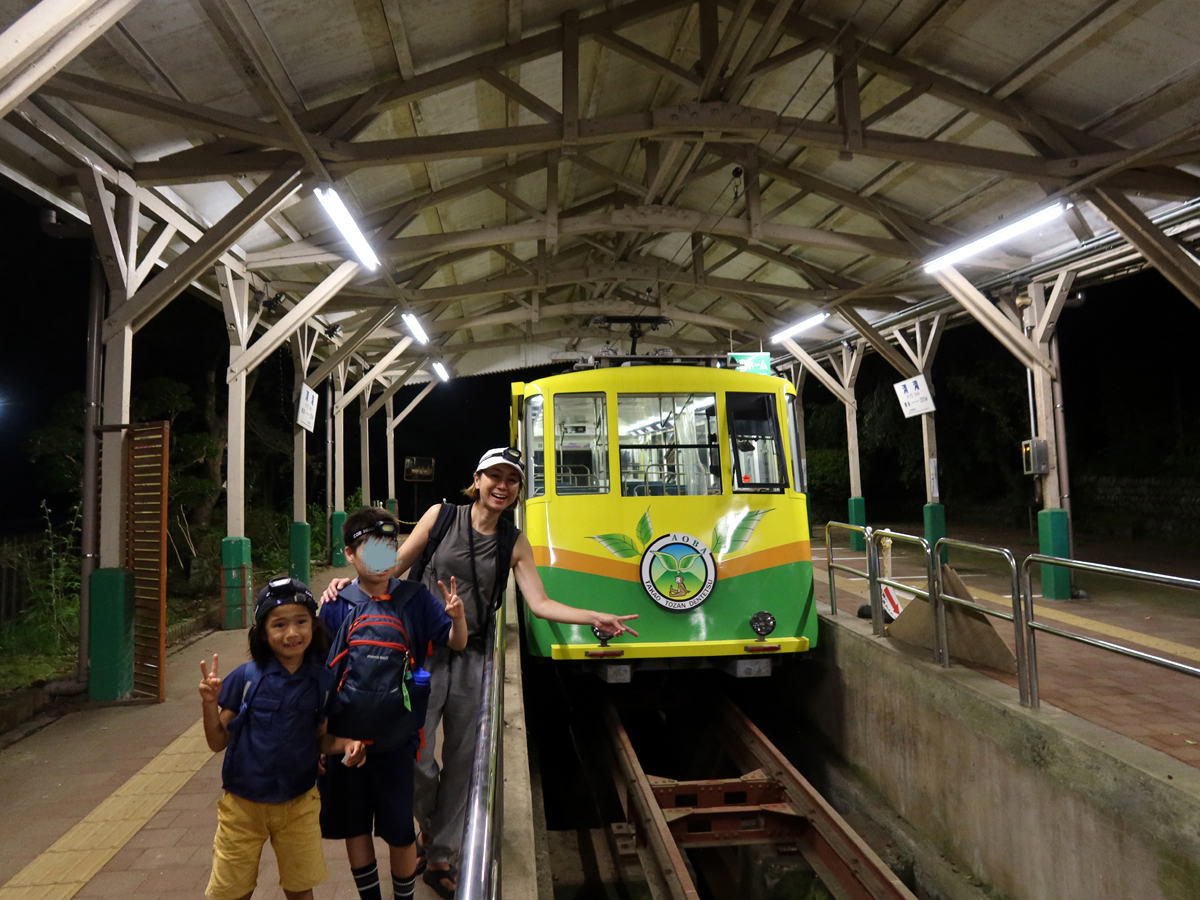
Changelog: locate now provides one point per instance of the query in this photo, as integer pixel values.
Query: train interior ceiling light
(997, 237)
(805, 325)
(347, 226)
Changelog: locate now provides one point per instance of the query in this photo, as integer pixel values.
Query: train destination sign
(418, 468)
(678, 572)
(914, 396)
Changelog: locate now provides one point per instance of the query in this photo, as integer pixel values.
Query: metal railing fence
(1032, 625)
(1025, 625)
(479, 877)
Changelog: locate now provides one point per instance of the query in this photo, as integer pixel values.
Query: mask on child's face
(377, 555)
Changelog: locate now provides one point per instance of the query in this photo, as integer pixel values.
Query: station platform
(120, 801)
(1154, 706)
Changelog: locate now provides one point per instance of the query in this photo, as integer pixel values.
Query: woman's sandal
(435, 877)
(422, 860)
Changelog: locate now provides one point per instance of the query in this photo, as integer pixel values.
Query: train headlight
(762, 622)
(605, 636)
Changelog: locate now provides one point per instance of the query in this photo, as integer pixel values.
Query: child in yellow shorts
(269, 717)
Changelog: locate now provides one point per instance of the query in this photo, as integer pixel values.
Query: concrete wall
(1043, 806)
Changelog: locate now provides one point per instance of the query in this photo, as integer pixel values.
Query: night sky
(1128, 411)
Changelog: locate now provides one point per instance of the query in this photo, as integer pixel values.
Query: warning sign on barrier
(891, 601)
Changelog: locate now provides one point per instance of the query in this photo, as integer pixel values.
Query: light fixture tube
(441, 370)
(996, 237)
(808, 323)
(347, 226)
(414, 326)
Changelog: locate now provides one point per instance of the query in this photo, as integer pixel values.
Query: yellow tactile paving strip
(75, 858)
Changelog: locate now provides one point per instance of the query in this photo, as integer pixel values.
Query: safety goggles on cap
(280, 592)
(386, 530)
(502, 455)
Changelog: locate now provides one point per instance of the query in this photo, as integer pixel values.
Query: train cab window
(799, 475)
(535, 454)
(580, 444)
(757, 450)
(668, 444)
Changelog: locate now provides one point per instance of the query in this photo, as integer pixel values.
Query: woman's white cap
(506, 456)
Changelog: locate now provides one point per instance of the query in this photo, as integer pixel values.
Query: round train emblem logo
(678, 572)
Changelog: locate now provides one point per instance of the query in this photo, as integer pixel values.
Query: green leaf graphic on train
(734, 533)
(622, 545)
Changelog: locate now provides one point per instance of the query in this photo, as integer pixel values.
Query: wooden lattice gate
(147, 447)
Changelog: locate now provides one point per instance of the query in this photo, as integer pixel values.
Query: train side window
(795, 424)
(668, 444)
(535, 454)
(757, 449)
(580, 444)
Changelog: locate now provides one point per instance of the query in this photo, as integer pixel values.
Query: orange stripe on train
(797, 551)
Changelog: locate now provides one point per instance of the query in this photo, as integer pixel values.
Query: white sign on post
(306, 409)
(914, 396)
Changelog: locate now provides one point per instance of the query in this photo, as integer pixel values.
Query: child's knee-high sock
(402, 888)
(366, 879)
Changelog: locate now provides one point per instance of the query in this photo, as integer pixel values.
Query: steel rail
(479, 877)
(771, 803)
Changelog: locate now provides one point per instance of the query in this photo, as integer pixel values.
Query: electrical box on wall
(1035, 456)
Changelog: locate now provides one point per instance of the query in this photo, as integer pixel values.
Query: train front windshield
(668, 444)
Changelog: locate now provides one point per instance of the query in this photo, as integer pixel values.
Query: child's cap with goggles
(280, 592)
(507, 456)
(389, 531)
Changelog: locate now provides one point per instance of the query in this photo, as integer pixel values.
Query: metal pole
(1060, 427)
(329, 462)
(91, 459)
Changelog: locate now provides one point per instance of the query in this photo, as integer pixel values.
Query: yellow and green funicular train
(671, 491)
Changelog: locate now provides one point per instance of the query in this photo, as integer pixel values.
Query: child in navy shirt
(380, 793)
(269, 717)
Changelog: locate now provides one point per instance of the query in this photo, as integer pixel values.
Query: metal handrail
(865, 531)
(1016, 616)
(932, 593)
(1032, 626)
(479, 877)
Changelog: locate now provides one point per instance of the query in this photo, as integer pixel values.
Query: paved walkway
(1152, 705)
(121, 801)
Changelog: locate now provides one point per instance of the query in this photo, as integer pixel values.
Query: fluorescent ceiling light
(441, 370)
(808, 323)
(996, 237)
(347, 226)
(414, 326)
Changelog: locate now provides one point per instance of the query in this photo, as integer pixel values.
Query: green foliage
(160, 398)
(57, 448)
(317, 548)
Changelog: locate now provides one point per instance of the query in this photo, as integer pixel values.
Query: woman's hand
(355, 754)
(331, 592)
(454, 607)
(611, 624)
(210, 682)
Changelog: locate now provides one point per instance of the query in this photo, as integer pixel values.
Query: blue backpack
(373, 658)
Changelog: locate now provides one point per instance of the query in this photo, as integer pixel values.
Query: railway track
(769, 803)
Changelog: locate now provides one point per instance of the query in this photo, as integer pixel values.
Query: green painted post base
(1054, 541)
(236, 582)
(301, 542)
(337, 554)
(935, 525)
(857, 507)
(110, 672)
(391, 506)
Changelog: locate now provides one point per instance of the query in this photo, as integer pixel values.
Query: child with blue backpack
(384, 629)
(268, 715)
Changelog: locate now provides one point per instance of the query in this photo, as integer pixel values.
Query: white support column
(235, 469)
(118, 362)
(933, 492)
(852, 451)
(339, 443)
(1043, 393)
(299, 474)
(391, 452)
(364, 447)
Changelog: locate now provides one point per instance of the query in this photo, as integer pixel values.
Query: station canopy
(533, 172)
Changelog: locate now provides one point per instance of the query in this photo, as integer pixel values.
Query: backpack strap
(506, 542)
(445, 518)
(253, 676)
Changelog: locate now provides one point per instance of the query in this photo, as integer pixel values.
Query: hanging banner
(914, 396)
(757, 363)
(306, 408)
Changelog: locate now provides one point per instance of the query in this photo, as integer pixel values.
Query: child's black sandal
(434, 878)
